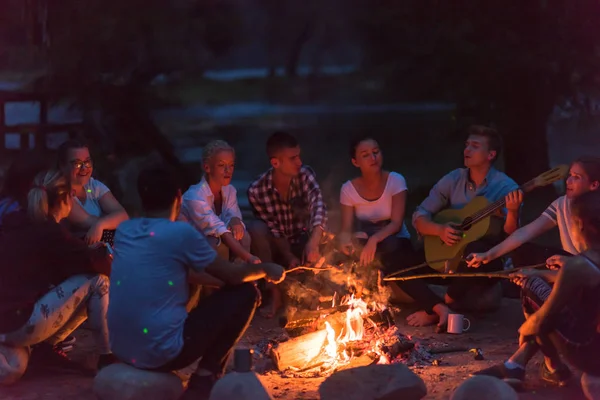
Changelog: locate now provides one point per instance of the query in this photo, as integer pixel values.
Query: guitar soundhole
(467, 223)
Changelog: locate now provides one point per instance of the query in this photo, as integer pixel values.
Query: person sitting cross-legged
(563, 319)
(156, 258)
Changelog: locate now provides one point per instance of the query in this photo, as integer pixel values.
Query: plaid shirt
(304, 210)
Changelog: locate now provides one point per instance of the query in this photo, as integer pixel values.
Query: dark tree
(505, 62)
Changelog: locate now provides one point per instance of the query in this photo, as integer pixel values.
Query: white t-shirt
(94, 190)
(376, 210)
(559, 212)
(149, 288)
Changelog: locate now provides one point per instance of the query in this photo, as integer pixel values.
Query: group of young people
(139, 298)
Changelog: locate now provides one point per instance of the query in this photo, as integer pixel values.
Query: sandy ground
(495, 334)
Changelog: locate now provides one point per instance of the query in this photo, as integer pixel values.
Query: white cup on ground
(457, 324)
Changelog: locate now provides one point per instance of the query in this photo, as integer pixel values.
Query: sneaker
(513, 376)
(66, 345)
(560, 377)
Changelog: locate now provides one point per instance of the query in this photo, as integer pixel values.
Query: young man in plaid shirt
(289, 208)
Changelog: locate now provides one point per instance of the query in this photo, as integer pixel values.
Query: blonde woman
(38, 254)
(211, 206)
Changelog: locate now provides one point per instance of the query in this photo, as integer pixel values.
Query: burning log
(299, 352)
(313, 318)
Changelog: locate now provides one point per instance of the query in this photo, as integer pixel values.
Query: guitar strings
(550, 177)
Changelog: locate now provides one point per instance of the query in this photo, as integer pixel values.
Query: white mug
(457, 323)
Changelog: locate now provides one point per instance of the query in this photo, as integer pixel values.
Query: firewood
(315, 318)
(299, 352)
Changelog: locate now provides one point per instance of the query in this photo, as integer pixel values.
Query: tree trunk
(296, 50)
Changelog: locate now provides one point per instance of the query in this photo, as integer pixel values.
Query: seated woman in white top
(376, 200)
(211, 205)
(95, 209)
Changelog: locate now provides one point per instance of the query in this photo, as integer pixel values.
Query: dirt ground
(494, 334)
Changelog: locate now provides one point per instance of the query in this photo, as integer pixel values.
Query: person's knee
(388, 245)
(257, 228)
(246, 241)
(213, 241)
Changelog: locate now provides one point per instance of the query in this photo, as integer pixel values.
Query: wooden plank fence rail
(40, 129)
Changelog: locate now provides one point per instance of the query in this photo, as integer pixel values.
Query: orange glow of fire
(352, 331)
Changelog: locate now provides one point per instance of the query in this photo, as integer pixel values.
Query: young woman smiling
(95, 209)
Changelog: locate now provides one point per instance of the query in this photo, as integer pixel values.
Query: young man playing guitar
(455, 190)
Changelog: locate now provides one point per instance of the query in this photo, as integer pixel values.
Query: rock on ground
(240, 386)
(13, 363)
(124, 382)
(484, 387)
(374, 382)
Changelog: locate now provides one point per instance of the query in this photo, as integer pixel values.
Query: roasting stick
(418, 266)
(503, 274)
(318, 267)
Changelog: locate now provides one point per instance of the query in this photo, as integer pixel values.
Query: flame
(331, 346)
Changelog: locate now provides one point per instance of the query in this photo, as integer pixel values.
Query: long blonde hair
(50, 189)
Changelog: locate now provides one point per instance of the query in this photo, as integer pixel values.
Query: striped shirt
(559, 212)
(303, 211)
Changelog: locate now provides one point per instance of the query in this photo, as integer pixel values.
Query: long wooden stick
(504, 274)
(301, 267)
(418, 266)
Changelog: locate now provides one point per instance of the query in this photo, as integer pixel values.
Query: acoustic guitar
(475, 222)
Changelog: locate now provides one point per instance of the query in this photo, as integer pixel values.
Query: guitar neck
(492, 208)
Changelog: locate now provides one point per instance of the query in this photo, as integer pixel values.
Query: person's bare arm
(398, 211)
(204, 279)
(522, 235)
(235, 274)
(236, 248)
(114, 213)
(80, 218)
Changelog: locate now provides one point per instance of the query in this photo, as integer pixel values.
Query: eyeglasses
(80, 164)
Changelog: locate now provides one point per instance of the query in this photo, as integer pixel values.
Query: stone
(240, 386)
(484, 387)
(591, 386)
(124, 382)
(13, 363)
(374, 382)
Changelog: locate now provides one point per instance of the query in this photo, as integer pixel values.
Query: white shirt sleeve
(200, 214)
(98, 189)
(231, 208)
(345, 197)
(397, 183)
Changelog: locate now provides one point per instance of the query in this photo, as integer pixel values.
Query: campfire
(328, 335)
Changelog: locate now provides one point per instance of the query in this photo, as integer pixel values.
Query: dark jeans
(572, 333)
(264, 246)
(458, 288)
(390, 251)
(214, 327)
